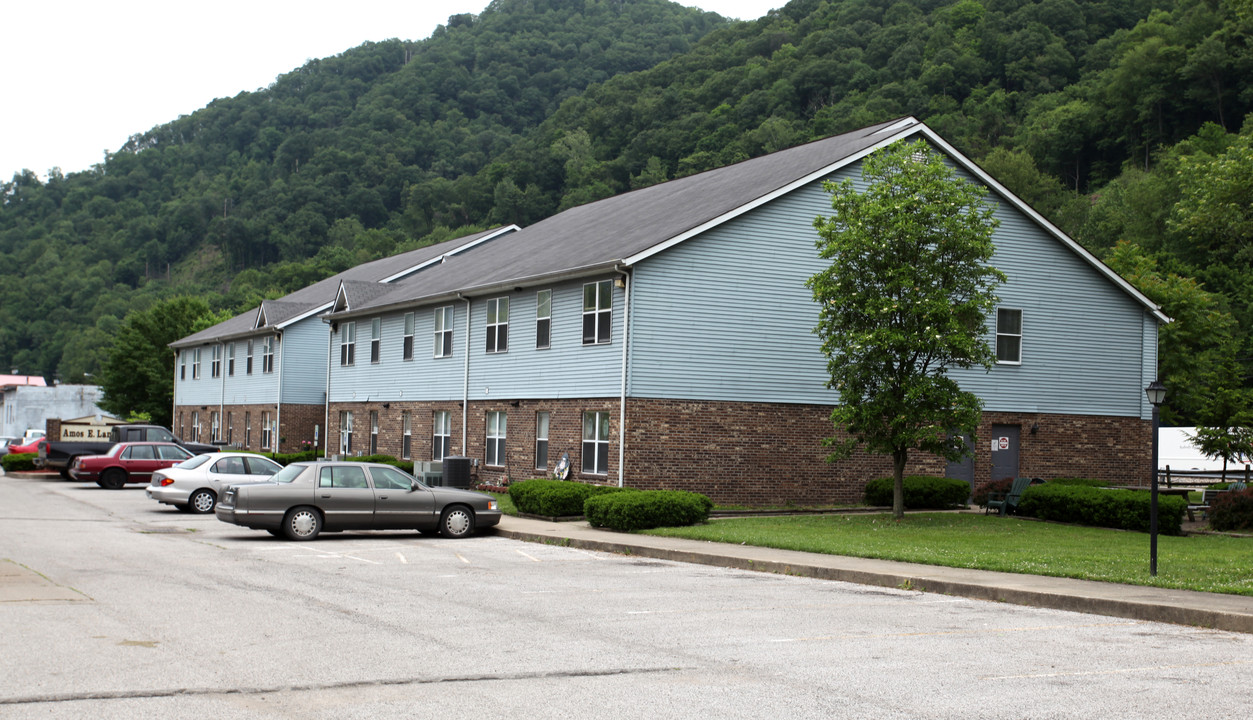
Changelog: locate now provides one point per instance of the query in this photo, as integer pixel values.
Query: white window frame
(496, 432)
(497, 325)
(230, 360)
(543, 319)
(376, 341)
(1015, 337)
(247, 426)
(215, 427)
(600, 315)
(406, 352)
(443, 332)
(598, 443)
(441, 434)
(215, 362)
(267, 354)
(195, 364)
(348, 344)
(345, 433)
(195, 426)
(406, 435)
(267, 431)
(182, 365)
(248, 360)
(543, 420)
(374, 432)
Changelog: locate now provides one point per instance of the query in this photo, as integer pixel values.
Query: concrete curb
(1232, 613)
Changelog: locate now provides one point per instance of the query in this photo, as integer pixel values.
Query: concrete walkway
(1182, 607)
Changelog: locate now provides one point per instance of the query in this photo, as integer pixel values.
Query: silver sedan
(194, 485)
(304, 499)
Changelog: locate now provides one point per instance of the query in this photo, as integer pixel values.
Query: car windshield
(194, 462)
(289, 473)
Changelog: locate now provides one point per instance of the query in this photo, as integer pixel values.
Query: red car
(30, 447)
(132, 462)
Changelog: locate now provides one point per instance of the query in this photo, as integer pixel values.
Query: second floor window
(348, 343)
(543, 318)
(230, 360)
(443, 331)
(1008, 336)
(408, 343)
(267, 355)
(195, 364)
(497, 325)
(376, 340)
(248, 360)
(182, 365)
(597, 312)
(215, 366)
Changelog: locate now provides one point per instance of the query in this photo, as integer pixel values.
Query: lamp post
(1156, 393)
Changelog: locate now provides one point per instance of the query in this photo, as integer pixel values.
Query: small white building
(1176, 450)
(28, 403)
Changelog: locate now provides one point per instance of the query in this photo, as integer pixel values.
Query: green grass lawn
(1208, 563)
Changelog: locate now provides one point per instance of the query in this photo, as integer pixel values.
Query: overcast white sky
(81, 76)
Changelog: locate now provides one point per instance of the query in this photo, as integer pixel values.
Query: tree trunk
(898, 485)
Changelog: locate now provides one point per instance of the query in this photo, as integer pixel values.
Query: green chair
(1006, 503)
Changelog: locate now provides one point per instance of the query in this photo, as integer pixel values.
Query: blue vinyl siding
(727, 316)
(566, 369)
(303, 358)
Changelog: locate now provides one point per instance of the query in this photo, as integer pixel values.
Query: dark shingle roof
(322, 293)
(604, 233)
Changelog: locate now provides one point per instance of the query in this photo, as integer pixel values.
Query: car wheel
(302, 523)
(202, 501)
(456, 522)
(113, 479)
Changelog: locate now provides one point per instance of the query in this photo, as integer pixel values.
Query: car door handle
(382, 497)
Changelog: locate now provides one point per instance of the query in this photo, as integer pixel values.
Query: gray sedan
(304, 499)
(194, 485)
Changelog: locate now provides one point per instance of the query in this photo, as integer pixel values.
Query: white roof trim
(900, 130)
(341, 299)
(303, 315)
(260, 321)
(440, 259)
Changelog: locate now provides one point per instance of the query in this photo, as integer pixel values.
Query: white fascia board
(441, 258)
(1040, 220)
(341, 298)
(308, 313)
(907, 123)
(260, 321)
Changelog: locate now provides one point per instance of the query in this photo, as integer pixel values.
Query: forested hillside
(1121, 121)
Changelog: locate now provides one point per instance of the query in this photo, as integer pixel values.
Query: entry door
(1004, 451)
(963, 469)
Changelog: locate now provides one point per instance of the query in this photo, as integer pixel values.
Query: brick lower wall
(742, 453)
(241, 425)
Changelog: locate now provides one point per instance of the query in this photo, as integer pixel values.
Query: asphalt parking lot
(120, 608)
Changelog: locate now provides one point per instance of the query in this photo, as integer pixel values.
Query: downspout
(626, 317)
(278, 415)
(326, 399)
(222, 395)
(465, 383)
(174, 409)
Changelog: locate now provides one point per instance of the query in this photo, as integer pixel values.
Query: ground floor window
(195, 426)
(215, 427)
(345, 432)
(596, 443)
(406, 436)
(441, 438)
(267, 431)
(496, 438)
(247, 429)
(541, 441)
(374, 432)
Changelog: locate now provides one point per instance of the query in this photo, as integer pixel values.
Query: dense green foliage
(554, 498)
(904, 301)
(1232, 511)
(646, 509)
(922, 492)
(1119, 120)
(1122, 509)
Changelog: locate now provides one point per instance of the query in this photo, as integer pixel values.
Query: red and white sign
(1004, 443)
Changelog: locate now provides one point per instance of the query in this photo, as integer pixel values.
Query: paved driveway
(116, 607)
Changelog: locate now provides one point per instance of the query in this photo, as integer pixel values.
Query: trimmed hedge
(1121, 509)
(645, 509)
(18, 462)
(554, 498)
(1232, 511)
(921, 492)
(1085, 482)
